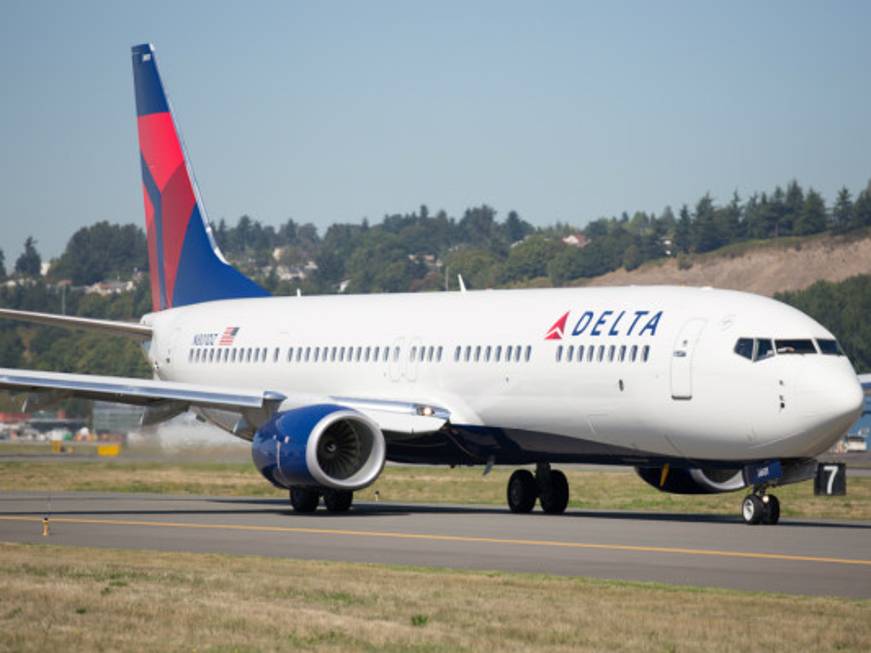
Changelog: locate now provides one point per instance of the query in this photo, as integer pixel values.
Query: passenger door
(682, 359)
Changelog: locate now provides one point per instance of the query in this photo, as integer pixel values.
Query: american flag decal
(228, 336)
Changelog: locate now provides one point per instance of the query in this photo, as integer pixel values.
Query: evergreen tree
(793, 206)
(29, 264)
(862, 208)
(842, 212)
(682, 231)
(774, 214)
(2, 265)
(729, 221)
(812, 218)
(706, 232)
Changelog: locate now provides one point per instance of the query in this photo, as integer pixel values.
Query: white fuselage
(693, 396)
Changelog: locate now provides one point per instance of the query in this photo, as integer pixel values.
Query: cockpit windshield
(757, 349)
(796, 347)
(829, 347)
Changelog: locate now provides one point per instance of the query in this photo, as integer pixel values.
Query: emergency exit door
(682, 359)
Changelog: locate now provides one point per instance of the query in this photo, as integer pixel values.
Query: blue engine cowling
(323, 445)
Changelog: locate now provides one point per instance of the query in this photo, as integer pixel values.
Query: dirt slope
(764, 268)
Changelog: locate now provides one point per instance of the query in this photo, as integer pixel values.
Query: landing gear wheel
(555, 494)
(338, 500)
(304, 499)
(522, 491)
(771, 512)
(752, 509)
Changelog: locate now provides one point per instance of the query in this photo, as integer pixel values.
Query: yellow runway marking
(433, 537)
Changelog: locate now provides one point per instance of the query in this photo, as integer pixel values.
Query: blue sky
(328, 112)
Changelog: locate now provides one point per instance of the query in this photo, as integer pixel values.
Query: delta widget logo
(607, 323)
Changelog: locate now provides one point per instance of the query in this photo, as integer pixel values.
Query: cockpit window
(764, 349)
(830, 347)
(796, 347)
(744, 347)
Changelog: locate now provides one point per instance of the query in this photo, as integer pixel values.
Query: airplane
(700, 390)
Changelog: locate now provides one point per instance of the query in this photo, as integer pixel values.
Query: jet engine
(321, 445)
(694, 480)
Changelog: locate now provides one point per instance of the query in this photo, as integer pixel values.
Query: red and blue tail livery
(186, 265)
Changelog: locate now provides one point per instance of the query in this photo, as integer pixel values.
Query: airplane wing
(127, 329)
(166, 399)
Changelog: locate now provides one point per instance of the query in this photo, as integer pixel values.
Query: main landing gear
(306, 499)
(760, 508)
(548, 485)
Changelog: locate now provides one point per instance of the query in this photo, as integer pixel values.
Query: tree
(812, 218)
(530, 258)
(706, 232)
(102, 251)
(842, 211)
(862, 208)
(515, 228)
(2, 265)
(29, 264)
(793, 207)
(682, 231)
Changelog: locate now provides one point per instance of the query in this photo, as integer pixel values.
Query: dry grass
(591, 490)
(57, 598)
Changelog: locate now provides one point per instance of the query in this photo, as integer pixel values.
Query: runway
(798, 556)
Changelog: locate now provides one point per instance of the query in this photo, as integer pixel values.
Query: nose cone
(831, 400)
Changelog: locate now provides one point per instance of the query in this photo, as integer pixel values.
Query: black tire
(555, 496)
(771, 512)
(752, 509)
(522, 491)
(338, 500)
(304, 499)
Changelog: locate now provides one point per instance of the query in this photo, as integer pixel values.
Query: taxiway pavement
(798, 556)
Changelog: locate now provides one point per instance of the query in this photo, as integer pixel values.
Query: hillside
(763, 267)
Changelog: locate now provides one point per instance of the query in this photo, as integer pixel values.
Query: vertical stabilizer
(185, 263)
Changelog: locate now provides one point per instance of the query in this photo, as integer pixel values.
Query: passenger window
(497, 355)
(299, 354)
(508, 350)
(601, 355)
(633, 353)
(645, 353)
(528, 352)
(611, 350)
(570, 353)
(487, 352)
(439, 354)
(796, 347)
(591, 352)
(274, 356)
(744, 348)
(396, 354)
(468, 353)
(457, 354)
(622, 353)
(307, 352)
(226, 355)
(477, 353)
(413, 353)
(829, 347)
(559, 353)
(516, 353)
(580, 353)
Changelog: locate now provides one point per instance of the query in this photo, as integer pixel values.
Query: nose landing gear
(550, 487)
(760, 508)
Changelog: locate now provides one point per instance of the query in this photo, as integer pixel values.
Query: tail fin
(186, 265)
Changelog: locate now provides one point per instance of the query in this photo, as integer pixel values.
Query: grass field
(57, 598)
(592, 490)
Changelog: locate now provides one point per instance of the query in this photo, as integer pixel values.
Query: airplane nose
(833, 394)
(828, 401)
